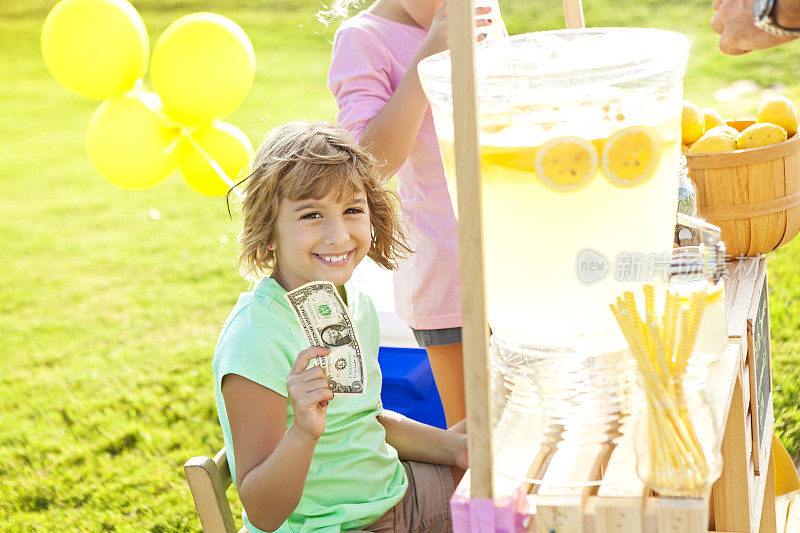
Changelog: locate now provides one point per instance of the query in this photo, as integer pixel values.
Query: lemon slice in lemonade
(630, 156)
(565, 164)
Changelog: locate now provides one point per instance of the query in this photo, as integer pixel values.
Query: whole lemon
(781, 111)
(730, 130)
(692, 123)
(712, 118)
(716, 140)
(760, 134)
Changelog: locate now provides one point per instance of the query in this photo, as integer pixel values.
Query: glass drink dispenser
(579, 145)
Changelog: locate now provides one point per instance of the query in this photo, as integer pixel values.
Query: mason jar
(678, 440)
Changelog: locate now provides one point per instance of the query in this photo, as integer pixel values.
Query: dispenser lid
(563, 58)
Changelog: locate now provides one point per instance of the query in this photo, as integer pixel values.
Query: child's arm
(415, 441)
(272, 462)
(391, 133)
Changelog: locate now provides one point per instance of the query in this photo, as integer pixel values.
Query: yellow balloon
(222, 143)
(130, 144)
(96, 48)
(203, 66)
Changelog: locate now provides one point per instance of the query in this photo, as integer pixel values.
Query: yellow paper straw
(677, 462)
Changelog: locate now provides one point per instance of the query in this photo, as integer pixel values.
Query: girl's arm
(271, 462)
(415, 441)
(391, 134)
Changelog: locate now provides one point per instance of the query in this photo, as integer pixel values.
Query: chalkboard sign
(761, 359)
(760, 363)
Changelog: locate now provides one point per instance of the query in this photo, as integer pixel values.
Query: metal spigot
(712, 247)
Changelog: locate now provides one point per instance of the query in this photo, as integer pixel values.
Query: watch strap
(766, 22)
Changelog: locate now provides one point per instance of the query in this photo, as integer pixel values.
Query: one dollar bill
(327, 323)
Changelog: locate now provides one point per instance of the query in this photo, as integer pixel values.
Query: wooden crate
(741, 500)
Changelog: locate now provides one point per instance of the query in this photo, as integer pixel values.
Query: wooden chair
(209, 479)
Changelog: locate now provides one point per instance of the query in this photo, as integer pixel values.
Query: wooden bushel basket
(752, 195)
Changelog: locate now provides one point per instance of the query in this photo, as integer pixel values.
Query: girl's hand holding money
(309, 391)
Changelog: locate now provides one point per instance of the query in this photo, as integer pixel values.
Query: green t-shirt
(355, 476)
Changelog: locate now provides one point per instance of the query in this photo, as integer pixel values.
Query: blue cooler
(408, 386)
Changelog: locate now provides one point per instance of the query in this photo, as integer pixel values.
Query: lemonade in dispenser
(579, 134)
(579, 138)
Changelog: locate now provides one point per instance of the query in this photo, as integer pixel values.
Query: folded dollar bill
(327, 323)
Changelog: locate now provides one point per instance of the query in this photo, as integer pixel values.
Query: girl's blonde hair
(300, 161)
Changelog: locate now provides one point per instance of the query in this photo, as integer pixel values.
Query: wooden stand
(741, 500)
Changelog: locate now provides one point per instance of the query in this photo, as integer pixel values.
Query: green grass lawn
(111, 301)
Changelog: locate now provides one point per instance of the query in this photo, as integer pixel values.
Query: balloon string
(210, 160)
(187, 133)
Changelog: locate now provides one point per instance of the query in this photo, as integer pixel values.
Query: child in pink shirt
(373, 76)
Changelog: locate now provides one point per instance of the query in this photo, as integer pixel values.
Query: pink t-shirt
(370, 56)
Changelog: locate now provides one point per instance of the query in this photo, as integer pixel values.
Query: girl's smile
(320, 240)
(335, 260)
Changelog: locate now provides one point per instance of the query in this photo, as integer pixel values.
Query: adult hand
(733, 20)
(309, 391)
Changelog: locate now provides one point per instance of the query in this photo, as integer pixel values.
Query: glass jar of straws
(677, 441)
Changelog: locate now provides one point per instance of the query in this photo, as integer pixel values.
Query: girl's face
(320, 240)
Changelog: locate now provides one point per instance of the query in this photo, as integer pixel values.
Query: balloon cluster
(202, 68)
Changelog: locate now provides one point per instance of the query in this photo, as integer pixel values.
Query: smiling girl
(313, 206)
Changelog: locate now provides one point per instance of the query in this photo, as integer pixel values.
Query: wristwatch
(764, 17)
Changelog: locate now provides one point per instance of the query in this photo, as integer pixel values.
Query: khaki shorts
(425, 508)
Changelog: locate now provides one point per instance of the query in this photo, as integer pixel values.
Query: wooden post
(730, 494)
(573, 14)
(475, 330)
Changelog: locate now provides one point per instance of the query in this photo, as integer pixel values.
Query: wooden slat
(475, 331)
(731, 499)
(748, 440)
(650, 517)
(731, 283)
(573, 14)
(754, 486)
(559, 508)
(767, 524)
(620, 496)
(729, 186)
(762, 186)
(687, 515)
(746, 390)
(221, 460)
(722, 377)
(792, 183)
(752, 418)
(546, 449)
(737, 316)
(762, 490)
(208, 491)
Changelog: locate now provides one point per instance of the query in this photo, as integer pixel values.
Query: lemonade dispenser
(579, 134)
(580, 139)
